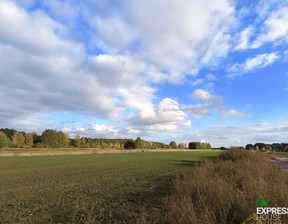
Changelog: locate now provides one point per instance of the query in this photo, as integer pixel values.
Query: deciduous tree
(173, 145)
(18, 140)
(4, 140)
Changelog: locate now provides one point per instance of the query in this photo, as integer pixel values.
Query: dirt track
(282, 162)
(87, 152)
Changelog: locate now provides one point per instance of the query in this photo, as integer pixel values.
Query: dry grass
(11, 152)
(227, 191)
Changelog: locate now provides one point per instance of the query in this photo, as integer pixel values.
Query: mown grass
(97, 188)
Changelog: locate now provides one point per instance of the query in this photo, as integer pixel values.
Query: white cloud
(250, 133)
(230, 113)
(211, 77)
(165, 116)
(251, 64)
(197, 82)
(34, 32)
(260, 61)
(93, 130)
(204, 95)
(199, 110)
(172, 35)
(244, 38)
(114, 26)
(275, 28)
(214, 102)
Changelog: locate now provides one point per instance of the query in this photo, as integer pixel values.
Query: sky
(184, 70)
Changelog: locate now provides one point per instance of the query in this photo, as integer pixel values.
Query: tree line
(58, 139)
(277, 147)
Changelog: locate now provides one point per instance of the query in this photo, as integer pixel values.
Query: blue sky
(185, 70)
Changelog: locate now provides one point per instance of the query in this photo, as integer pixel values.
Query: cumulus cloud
(165, 116)
(83, 58)
(34, 32)
(211, 102)
(199, 110)
(93, 130)
(250, 133)
(48, 68)
(174, 36)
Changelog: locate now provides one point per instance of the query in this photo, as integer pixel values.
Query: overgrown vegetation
(227, 191)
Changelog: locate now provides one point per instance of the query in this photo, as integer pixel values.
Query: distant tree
(249, 147)
(150, 145)
(277, 147)
(53, 139)
(29, 140)
(8, 132)
(4, 140)
(257, 148)
(48, 138)
(192, 145)
(18, 140)
(199, 145)
(173, 145)
(139, 143)
(182, 145)
(130, 144)
(77, 141)
(260, 145)
(208, 146)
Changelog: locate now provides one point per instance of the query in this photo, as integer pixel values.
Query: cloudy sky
(183, 70)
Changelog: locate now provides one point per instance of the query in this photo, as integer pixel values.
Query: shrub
(227, 191)
(130, 144)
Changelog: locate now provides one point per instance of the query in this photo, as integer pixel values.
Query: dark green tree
(192, 145)
(260, 145)
(53, 139)
(130, 144)
(249, 147)
(173, 145)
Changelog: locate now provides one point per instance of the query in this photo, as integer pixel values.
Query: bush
(130, 144)
(227, 191)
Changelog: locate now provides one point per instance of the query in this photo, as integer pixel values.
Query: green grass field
(90, 188)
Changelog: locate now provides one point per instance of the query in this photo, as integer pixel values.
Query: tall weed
(227, 191)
